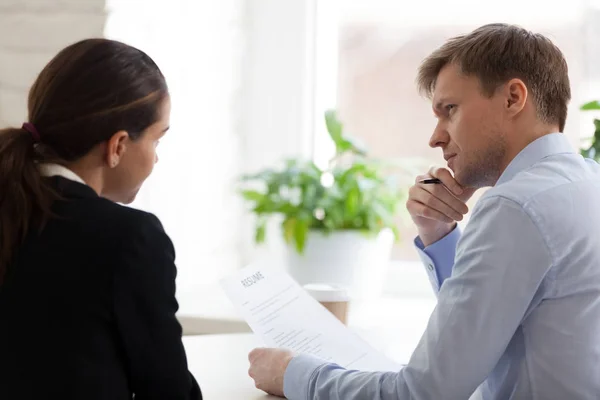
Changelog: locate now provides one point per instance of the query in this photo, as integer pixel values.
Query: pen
(430, 181)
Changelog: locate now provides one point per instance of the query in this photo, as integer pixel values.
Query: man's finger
(443, 194)
(254, 354)
(455, 210)
(422, 193)
(421, 210)
(447, 180)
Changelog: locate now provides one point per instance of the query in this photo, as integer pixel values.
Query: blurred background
(250, 81)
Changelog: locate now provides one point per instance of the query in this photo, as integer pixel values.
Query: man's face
(469, 129)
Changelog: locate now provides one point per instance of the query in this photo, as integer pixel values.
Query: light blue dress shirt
(518, 312)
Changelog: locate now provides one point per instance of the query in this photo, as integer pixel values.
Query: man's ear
(515, 95)
(116, 148)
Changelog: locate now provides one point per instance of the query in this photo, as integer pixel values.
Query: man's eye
(450, 107)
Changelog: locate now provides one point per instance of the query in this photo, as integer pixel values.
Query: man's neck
(523, 139)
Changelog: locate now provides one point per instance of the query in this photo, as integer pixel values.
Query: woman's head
(106, 99)
(100, 107)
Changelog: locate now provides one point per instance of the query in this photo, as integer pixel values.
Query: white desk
(220, 362)
(209, 311)
(407, 298)
(220, 365)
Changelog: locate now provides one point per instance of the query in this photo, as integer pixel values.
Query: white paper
(284, 315)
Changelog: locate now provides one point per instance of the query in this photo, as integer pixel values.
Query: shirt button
(430, 267)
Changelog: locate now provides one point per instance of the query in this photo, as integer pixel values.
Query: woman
(87, 286)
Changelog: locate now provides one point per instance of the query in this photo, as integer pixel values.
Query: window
(240, 77)
(380, 44)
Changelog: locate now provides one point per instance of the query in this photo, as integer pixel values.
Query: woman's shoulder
(127, 218)
(120, 224)
(81, 210)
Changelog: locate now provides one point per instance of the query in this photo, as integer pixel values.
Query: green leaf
(352, 202)
(396, 233)
(597, 131)
(334, 127)
(334, 216)
(265, 174)
(286, 209)
(352, 145)
(300, 234)
(309, 196)
(289, 228)
(263, 208)
(252, 195)
(351, 173)
(261, 229)
(592, 105)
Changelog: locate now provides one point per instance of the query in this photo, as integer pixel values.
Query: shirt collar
(59, 170)
(547, 145)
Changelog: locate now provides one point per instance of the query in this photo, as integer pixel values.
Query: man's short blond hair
(496, 53)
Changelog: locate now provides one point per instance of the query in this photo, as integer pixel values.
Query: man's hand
(267, 368)
(435, 208)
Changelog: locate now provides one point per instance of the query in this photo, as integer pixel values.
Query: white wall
(199, 45)
(31, 32)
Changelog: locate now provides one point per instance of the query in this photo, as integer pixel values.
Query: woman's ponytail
(25, 199)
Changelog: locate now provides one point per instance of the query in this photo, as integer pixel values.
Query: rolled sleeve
(438, 257)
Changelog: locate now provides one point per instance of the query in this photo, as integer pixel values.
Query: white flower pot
(347, 258)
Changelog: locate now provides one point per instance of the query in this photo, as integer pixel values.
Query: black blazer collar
(71, 189)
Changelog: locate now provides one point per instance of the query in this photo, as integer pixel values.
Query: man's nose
(439, 137)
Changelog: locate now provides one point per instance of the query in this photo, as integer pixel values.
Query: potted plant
(338, 222)
(593, 149)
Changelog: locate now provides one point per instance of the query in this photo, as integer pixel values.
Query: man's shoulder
(547, 180)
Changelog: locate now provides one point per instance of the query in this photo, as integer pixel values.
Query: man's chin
(461, 179)
(469, 181)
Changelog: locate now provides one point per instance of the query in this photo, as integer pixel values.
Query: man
(518, 313)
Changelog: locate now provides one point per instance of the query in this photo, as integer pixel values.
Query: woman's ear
(116, 148)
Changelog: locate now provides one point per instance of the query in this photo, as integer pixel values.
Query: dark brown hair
(496, 53)
(88, 92)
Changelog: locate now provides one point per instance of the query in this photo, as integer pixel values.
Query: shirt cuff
(298, 374)
(438, 257)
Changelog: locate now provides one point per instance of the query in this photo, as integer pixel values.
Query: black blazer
(87, 309)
